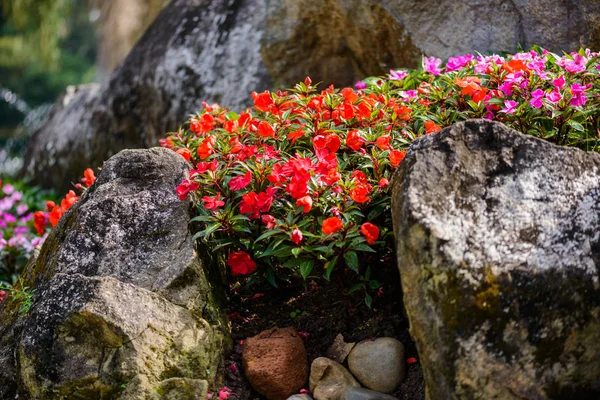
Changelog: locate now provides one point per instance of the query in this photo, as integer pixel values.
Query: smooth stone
(353, 393)
(300, 397)
(329, 379)
(378, 364)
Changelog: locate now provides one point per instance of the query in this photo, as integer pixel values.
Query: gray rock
(122, 305)
(329, 379)
(222, 50)
(353, 393)
(339, 350)
(378, 364)
(87, 337)
(300, 397)
(498, 240)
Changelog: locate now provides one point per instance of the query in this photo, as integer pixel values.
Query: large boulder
(498, 240)
(222, 50)
(123, 307)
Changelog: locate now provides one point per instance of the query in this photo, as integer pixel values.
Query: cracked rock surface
(122, 308)
(498, 239)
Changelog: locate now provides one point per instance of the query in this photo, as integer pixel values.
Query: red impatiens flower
(383, 142)
(269, 221)
(69, 200)
(206, 147)
(297, 134)
(332, 225)
(254, 204)
(240, 182)
(39, 222)
(305, 202)
(383, 183)
(354, 140)
(204, 124)
(50, 205)
(265, 129)
(183, 152)
(360, 193)
(396, 157)
(212, 203)
(241, 263)
(184, 188)
(55, 215)
(262, 101)
(89, 178)
(296, 236)
(370, 232)
(431, 127)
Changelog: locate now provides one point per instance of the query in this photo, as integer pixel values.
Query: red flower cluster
(300, 170)
(54, 212)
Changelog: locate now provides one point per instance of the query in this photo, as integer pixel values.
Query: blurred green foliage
(45, 45)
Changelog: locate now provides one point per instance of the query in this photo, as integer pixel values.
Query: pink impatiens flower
(554, 96)
(510, 107)
(360, 85)
(575, 65)
(431, 65)
(455, 63)
(559, 82)
(397, 75)
(536, 100)
(579, 98)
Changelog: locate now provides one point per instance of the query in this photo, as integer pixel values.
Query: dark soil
(320, 311)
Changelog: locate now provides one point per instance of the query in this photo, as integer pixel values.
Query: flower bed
(298, 185)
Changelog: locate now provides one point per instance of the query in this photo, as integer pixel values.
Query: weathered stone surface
(87, 337)
(329, 379)
(498, 239)
(275, 362)
(222, 50)
(339, 350)
(378, 364)
(122, 305)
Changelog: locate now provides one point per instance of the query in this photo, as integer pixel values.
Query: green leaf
(329, 266)
(351, 261)
(210, 229)
(576, 125)
(362, 247)
(373, 284)
(204, 218)
(271, 277)
(296, 251)
(268, 234)
(240, 217)
(356, 287)
(368, 300)
(306, 268)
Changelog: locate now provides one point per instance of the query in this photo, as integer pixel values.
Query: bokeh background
(48, 45)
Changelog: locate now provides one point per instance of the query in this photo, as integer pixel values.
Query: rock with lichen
(122, 306)
(498, 239)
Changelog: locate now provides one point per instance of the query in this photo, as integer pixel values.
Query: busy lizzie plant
(300, 182)
(298, 185)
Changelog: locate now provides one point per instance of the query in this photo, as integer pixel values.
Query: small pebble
(328, 379)
(378, 364)
(300, 397)
(353, 393)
